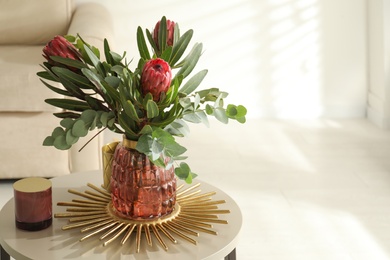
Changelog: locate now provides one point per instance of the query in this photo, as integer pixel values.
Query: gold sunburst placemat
(94, 214)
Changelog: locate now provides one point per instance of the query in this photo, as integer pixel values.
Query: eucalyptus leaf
(70, 138)
(79, 129)
(67, 123)
(49, 141)
(60, 143)
(220, 114)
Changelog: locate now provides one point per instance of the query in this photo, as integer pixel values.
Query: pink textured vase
(140, 189)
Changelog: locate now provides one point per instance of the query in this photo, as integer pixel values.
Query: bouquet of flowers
(149, 104)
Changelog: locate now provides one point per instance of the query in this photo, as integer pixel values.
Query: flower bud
(61, 47)
(170, 33)
(156, 78)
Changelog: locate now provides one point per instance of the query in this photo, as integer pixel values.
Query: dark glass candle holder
(33, 203)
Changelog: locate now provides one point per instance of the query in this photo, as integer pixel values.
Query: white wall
(379, 62)
(280, 58)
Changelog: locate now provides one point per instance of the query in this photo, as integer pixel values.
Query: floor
(317, 189)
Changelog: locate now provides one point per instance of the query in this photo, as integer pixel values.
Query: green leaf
(88, 116)
(241, 120)
(151, 41)
(60, 143)
(142, 47)
(144, 143)
(193, 83)
(68, 104)
(191, 60)
(178, 127)
(127, 124)
(107, 53)
(67, 123)
(67, 115)
(180, 46)
(95, 103)
(113, 81)
(192, 117)
(70, 38)
(162, 34)
(57, 90)
(46, 75)
(184, 172)
(58, 131)
(79, 80)
(70, 138)
(151, 109)
(203, 117)
(220, 114)
(93, 78)
(231, 111)
(176, 34)
(174, 149)
(156, 149)
(147, 129)
(79, 129)
(72, 88)
(209, 109)
(166, 54)
(69, 62)
(49, 141)
(241, 111)
(95, 60)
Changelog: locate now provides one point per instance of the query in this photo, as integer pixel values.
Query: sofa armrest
(93, 23)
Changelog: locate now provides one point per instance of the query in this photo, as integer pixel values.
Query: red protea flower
(59, 46)
(156, 78)
(170, 32)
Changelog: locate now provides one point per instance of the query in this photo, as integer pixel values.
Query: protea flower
(59, 46)
(156, 78)
(170, 32)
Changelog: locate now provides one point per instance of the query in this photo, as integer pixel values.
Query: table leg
(4, 255)
(231, 256)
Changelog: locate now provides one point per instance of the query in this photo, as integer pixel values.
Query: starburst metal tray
(94, 215)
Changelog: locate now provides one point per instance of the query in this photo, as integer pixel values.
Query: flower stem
(92, 139)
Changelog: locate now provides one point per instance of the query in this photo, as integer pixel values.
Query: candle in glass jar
(33, 203)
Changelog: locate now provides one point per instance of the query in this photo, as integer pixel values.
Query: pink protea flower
(170, 33)
(59, 46)
(156, 78)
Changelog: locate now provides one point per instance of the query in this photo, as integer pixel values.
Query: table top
(55, 243)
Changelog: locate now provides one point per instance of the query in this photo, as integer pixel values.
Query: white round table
(55, 243)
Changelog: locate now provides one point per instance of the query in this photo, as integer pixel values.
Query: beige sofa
(25, 27)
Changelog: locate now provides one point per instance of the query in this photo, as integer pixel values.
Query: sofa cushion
(22, 154)
(20, 87)
(33, 22)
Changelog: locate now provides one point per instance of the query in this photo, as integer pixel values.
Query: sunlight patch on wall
(296, 71)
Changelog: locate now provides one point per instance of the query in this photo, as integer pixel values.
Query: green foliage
(107, 94)
(72, 129)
